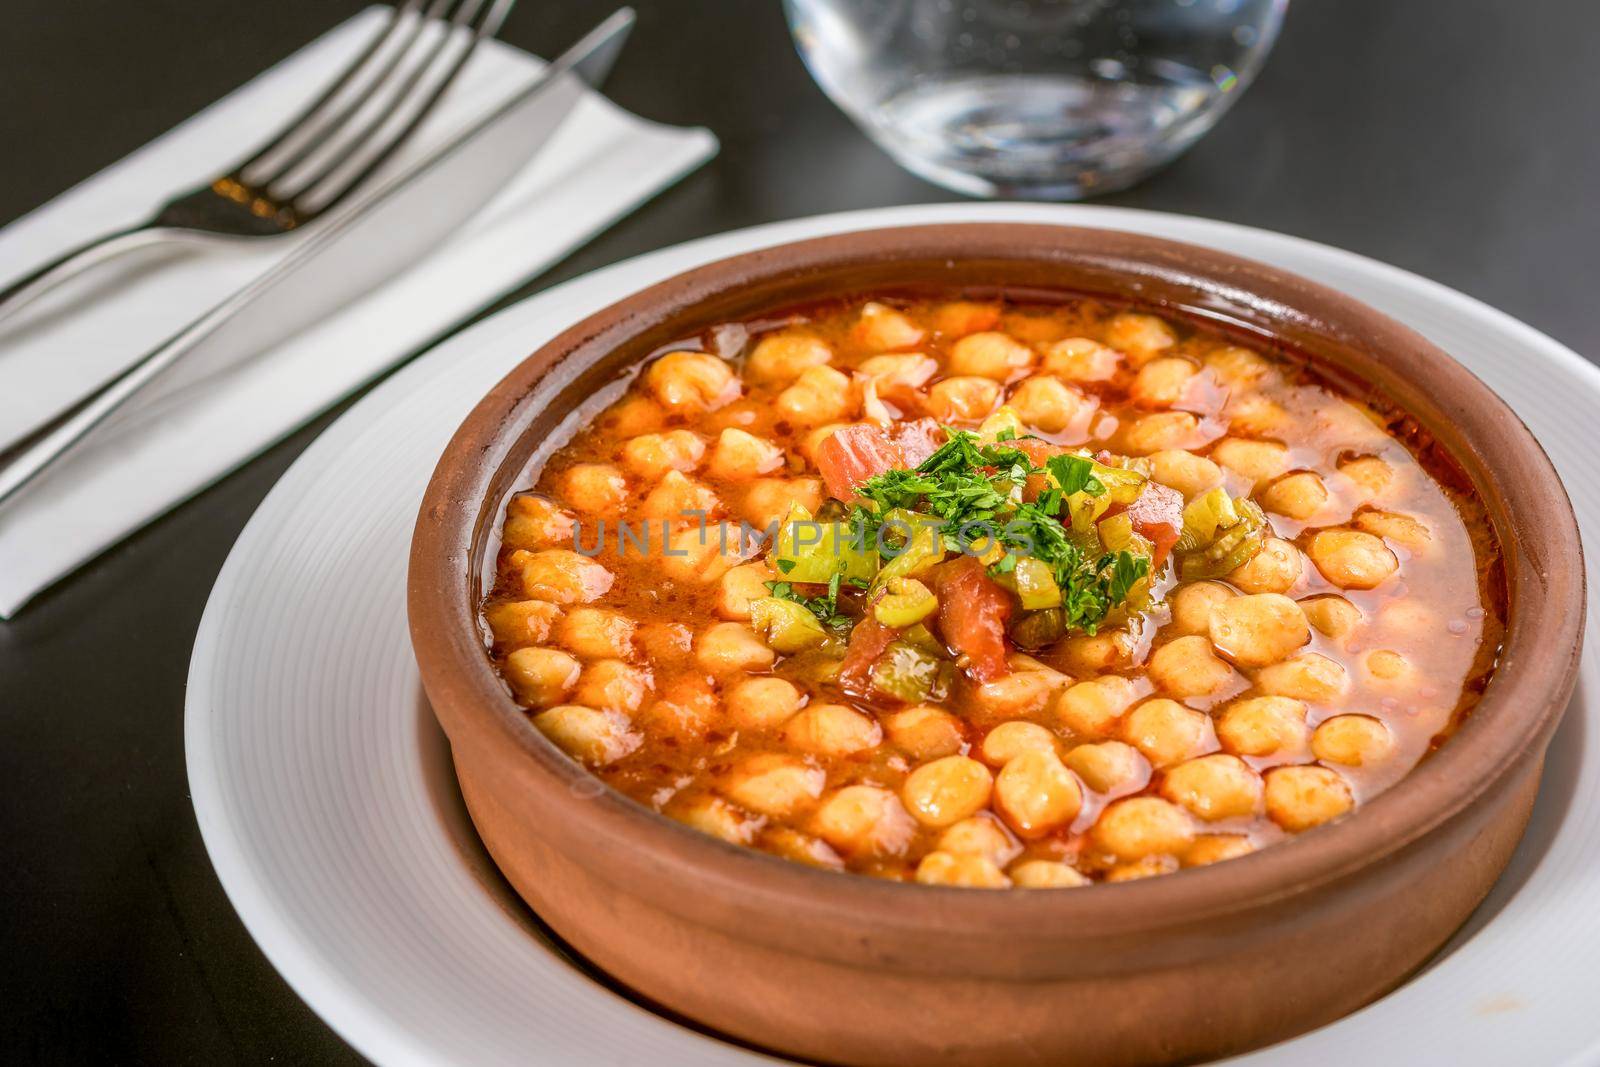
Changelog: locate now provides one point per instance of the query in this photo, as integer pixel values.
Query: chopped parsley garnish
(974, 491)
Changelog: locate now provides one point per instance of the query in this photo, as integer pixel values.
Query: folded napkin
(202, 421)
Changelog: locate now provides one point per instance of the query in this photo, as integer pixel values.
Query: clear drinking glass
(1043, 99)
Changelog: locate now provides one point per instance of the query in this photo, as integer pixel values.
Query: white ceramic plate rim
(386, 1039)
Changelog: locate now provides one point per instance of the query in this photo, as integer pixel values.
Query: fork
(322, 156)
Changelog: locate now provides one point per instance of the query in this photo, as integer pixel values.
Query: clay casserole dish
(850, 969)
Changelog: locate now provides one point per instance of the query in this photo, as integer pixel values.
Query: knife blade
(357, 250)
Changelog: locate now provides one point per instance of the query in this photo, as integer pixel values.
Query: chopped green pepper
(786, 626)
(906, 602)
(806, 550)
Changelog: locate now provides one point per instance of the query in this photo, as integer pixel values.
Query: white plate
(325, 794)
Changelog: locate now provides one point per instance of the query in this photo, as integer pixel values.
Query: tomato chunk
(1157, 516)
(867, 642)
(973, 610)
(850, 456)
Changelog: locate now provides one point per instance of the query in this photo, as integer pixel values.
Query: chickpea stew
(995, 592)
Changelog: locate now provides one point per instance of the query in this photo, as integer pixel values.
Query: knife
(396, 226)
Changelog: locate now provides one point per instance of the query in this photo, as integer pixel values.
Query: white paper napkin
(196, 427)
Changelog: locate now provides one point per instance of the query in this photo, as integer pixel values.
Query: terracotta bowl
(850, 969)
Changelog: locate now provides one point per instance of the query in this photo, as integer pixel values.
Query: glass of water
(1037, 99)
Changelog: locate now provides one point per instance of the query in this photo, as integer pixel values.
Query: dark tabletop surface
(1454, 138)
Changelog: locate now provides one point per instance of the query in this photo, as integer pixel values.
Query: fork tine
(329, 185)
(311, 136)
(301, 121)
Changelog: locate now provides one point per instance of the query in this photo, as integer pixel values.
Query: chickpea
(1010, 739)
(819, 395)
(961, 317)
(1148, 867)
(1299, 798)
(947, 790)
(1407, 618)
(613, 685)
(762, 703)
(1162, 382)
(768, 500)
(1352, 559)
(741, 585)
(1092, 708)
(801, 848)
(1192, 604)
(1097, 653)
(769, 783)
(1254, 414)
(1214, 787)
(1079, 359)
(831, 730)
(728, 647)
(715, 817)
(540, 676)
(564, 577)
(963, 399)
(677, 497)
(783, 357)
(518, 623)
(925, 732)
(980, 835)
(1165, 731)
(864, 819)
(1240, 369)
(691, 382)
(740, 455)
(1046, 874)
(1299, 495)
(910, 370)
(696, 551)
(587, 734)
(1332, 615)
(1035, 794)
(1387, 667)
(1308, 676)
(1410, 534)
(1259, 629)
(1256, 460)
(653, 454)
(633, 415)
(884, 329)
(595, 488)
(1370, 475)
(1187, 667)
(989, 355)
(534, 522)
(1353, 740)
(1142, 337)
(1048, 404)
(596, 633)
(1162, 431)
(1274, 569)
(685, 711)
(1109, 766)
(1137, 827)
(1214, 848)
(1186, 472)
(1264, 726)
(1018, 693)
(971, 872)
